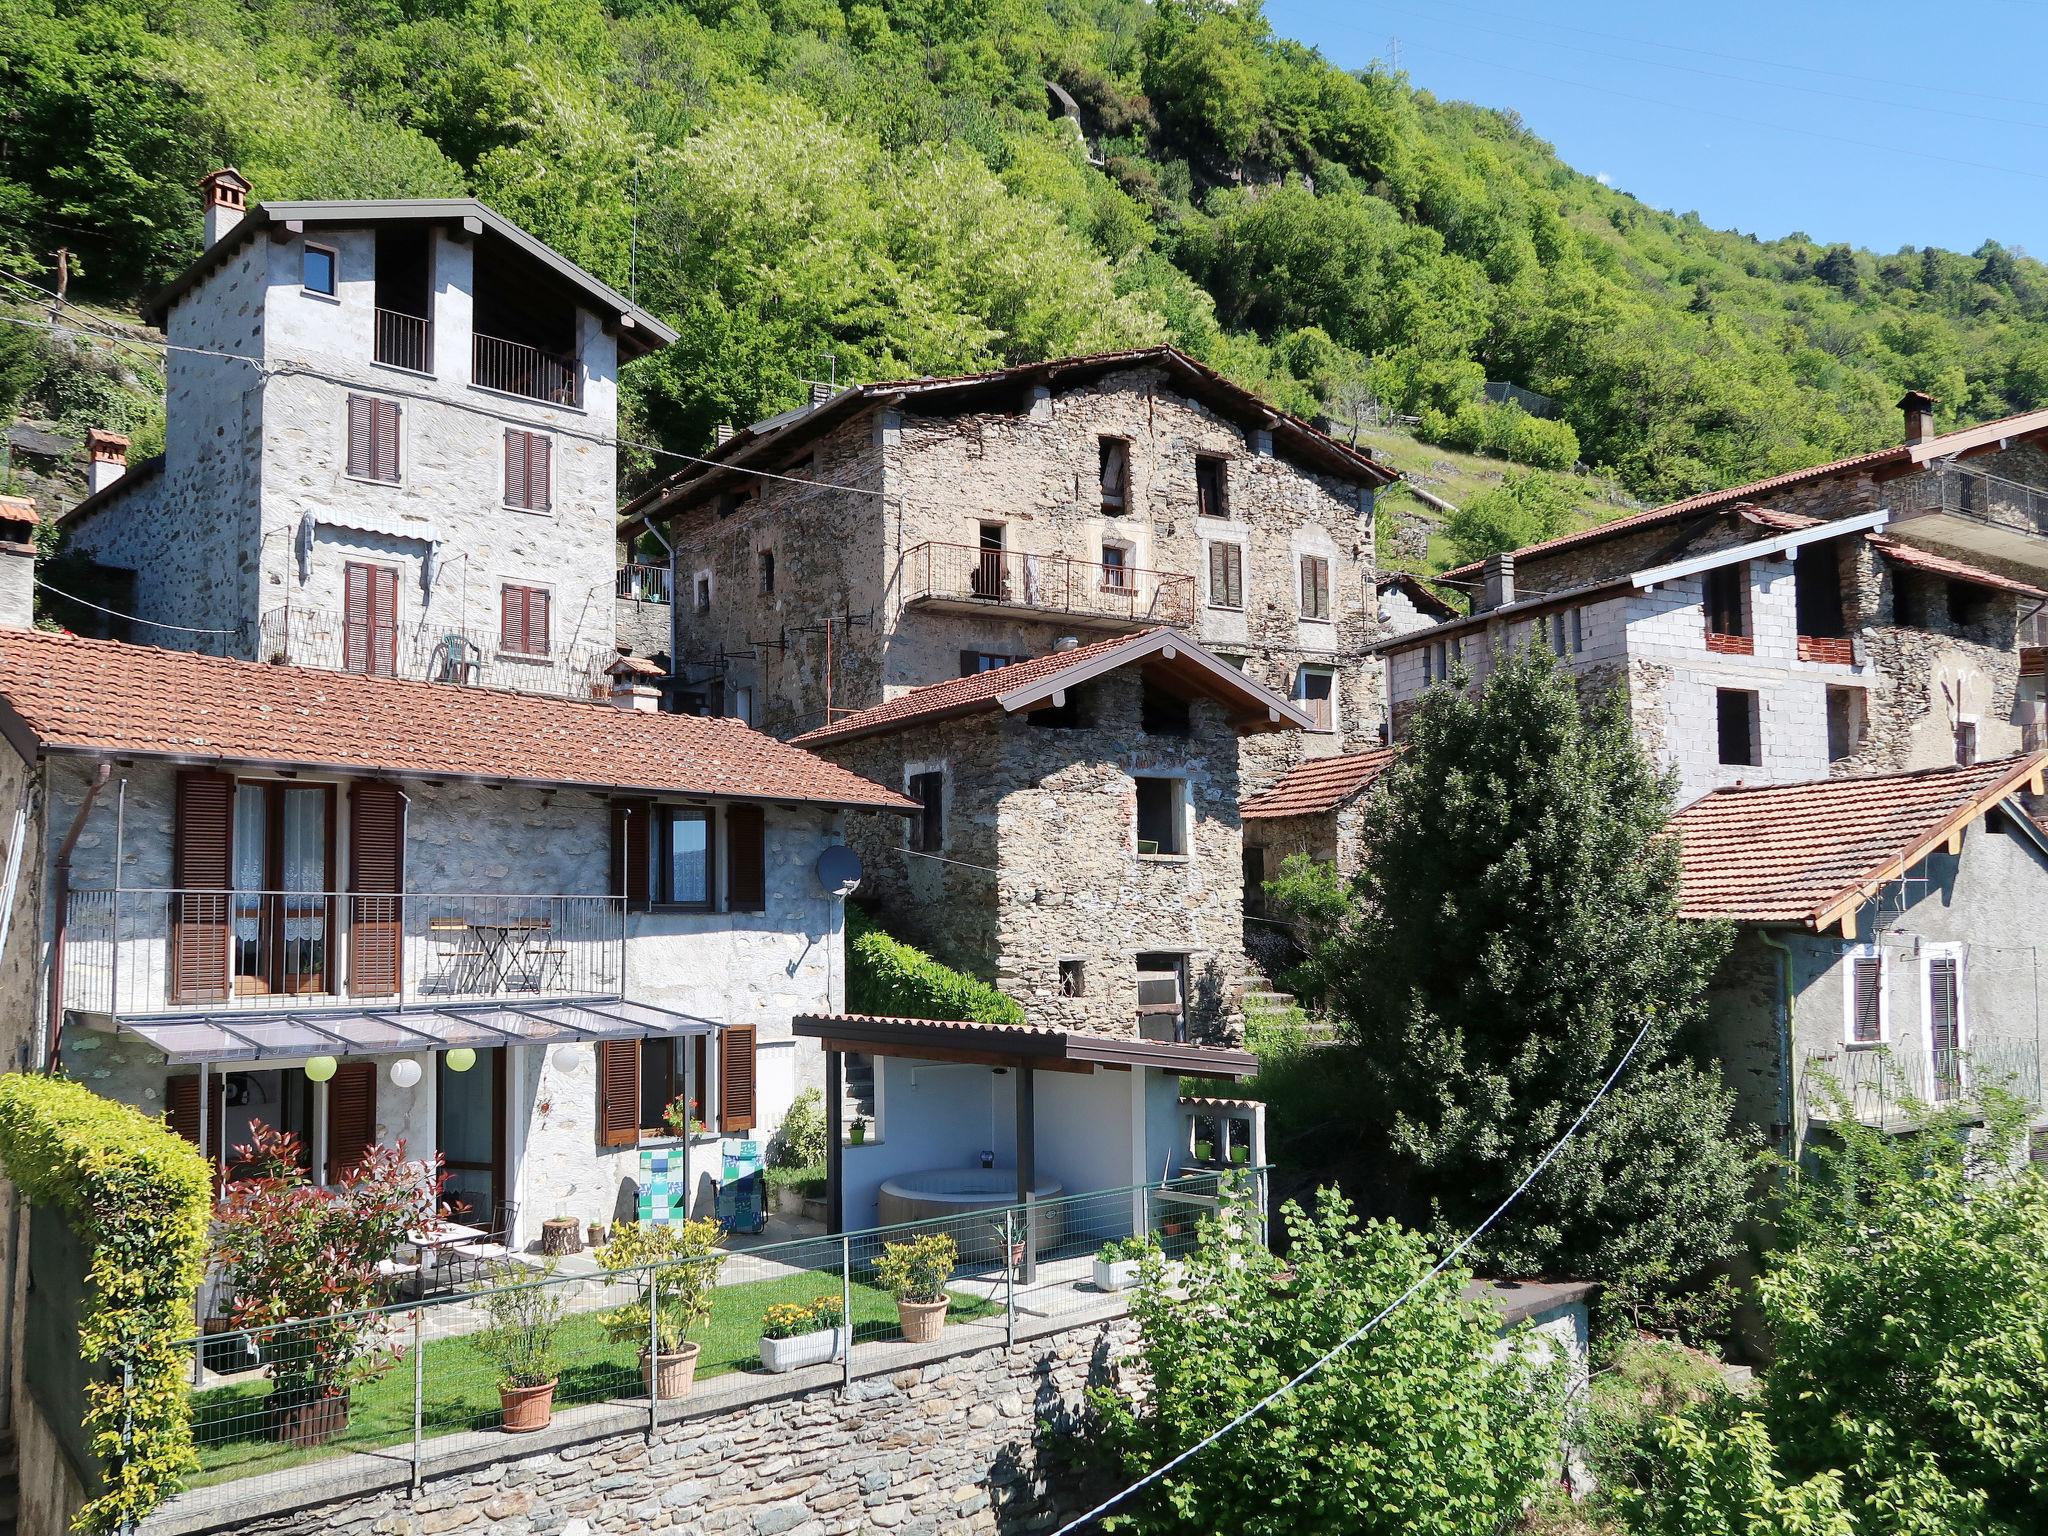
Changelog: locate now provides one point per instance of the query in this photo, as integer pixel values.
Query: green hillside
(805, 186)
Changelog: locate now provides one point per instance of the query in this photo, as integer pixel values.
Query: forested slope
(886, 184)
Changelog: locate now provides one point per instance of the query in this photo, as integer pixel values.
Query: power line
(1376, 1319)
(183, 629)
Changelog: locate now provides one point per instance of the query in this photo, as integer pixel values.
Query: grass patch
(462, 1387)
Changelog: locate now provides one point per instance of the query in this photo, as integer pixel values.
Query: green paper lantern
(320, 1068)
(461, 1059)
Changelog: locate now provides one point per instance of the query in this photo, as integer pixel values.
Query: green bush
(1507, 431)
(139, 1197)
(801, 1140)
(886, 976)
(917, 1270)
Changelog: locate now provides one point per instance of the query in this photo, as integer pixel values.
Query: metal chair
(494, 1247)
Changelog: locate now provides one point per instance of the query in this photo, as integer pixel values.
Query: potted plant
(676, 1267)
(857, 1133)
(1116, 1263)
(525, 1312)
(796, 1333)
(915, 1273)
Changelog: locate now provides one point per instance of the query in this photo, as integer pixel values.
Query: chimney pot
(18, 519)
(225, 196)
(1497, 582)
(820, 392)
(721, 434)
(106, 458)
(1918, 408)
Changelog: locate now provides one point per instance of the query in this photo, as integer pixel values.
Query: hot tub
(941, 1193)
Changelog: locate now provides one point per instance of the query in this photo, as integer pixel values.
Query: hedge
(139, 1198)
(888, 977)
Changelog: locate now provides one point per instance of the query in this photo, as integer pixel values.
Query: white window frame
(1851, 955)
(1126, 570)
(1300, 693)
(1182, 810)
(333, 255)
(916, 768)
(1211, 599)
(1929, 953)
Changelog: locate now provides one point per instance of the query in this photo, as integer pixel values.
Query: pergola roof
(1005, 1045)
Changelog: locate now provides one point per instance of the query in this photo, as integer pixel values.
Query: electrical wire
(183, 629)
(1376, 1319)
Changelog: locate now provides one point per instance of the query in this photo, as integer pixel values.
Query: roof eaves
(1521, 607)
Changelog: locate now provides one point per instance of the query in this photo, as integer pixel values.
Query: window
(372, 439)
(1073, 715)
(1968, 604)
(529, 471)
(766, 561)
(928, 826)
(1161, 713)
(523, 620)
(1116, 567)
(972, 662)
(1234, 661)
(1864, 1018)
(703, 592)
(1726, 592)
(1566, 631)
(661, 1084)
(1115, 455)
(743, 703)
(1252, 861)
(1315, 587)
(316, 270)
(1845, 723)
(1212, 486)
(369, 619)
(1735, 711)
(988, 580)
(1966, 743)
(1817, 591)
(1160, 822)
(683, 856)
(1909, 600)
(1437, 659)
(1315, 691)
(637, 1081)
(732, 501)
(1943, 1013)
(1226, 575)
(1073, 978)
(1162, 993)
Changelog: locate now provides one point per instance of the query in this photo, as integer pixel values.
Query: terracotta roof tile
(1318, 784)
(1895, 551)
(78, 695)
(1795, 853)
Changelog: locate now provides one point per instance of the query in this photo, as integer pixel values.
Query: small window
(703, 592)
(1163, 713)
(972, 662)
(1736, 726)
(316, 270)
(1073, 978)
(1160, 829)
(661, 1083)
(1315, 691)
(1909, 600)
(1438, 657)
(743, 703)
(1234, 661)
(1845, 723)
(1212, 485)
(732, 501)
(991, 578)
(928, 826)
(529, 471)
(1726, 592)
(1116, 567)
(523, 620)
(1226, 575)
(766, 561)
(1567, 634)
(1946, 1020)
(1864, 1023)
(1315, 587)
(373, 439)
(1966, 743)
(683, 856)
(1116, 473)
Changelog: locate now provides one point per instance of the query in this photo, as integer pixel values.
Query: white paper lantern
(405, 1072)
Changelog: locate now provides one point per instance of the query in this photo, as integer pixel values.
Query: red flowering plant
(302, 1259)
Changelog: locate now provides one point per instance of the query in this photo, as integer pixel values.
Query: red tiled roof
(1899, 554)
(1318, 784)
(1808, 853)
(67, 694)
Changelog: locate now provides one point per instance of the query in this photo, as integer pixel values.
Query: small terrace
(1883, 1086)
(1965, 509)
(315, 637)
(645, 584)
(1094, 594)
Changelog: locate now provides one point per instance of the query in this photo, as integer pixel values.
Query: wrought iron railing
(146, 951)
(1956, 491)
(514, 368)
(432, 653)
(1880, 1085)
(1049, 583)
(405, 341)
(645, 584)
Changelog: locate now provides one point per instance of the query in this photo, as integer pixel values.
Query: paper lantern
(461, 1059)
(320, 1068)
(405, 1072)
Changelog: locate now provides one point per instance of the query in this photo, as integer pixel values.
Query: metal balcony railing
(1956, 491)
(1050, 583)
(514, 368)
(405, 341)
(1876, 1086)
(433, 653)
(645, 584)
(133, 952)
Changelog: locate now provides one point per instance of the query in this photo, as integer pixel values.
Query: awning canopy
(188, 1038)
(1058, 1050)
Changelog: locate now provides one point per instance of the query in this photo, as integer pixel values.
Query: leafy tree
(1718, 1475)
(1417, 1429)
(1524, 508)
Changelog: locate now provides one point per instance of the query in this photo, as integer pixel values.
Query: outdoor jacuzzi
(940, 1193)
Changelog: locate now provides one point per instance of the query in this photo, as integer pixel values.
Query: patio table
(494, 950)
(431, 1239)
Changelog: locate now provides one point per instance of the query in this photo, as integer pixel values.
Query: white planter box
(1120, 1276)
(781, 1355)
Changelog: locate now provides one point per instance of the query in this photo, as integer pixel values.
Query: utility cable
(183, 629)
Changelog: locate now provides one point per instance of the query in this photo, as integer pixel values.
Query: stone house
(1078, 841)
(390, 447)
(1886, 933)
(890, 536)
(1316, 808)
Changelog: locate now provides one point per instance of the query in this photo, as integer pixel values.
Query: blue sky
(1764, 118)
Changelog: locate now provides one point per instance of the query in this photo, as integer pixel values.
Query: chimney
(225, 194)
(106, 458)
(1918, 406)
(634, 680)
(18, 521)
(1497, 583)
(721, 434)
(820, 392)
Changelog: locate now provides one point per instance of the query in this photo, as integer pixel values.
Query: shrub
(1121, 1249)
(801, 1140)
(917, 1270)
(886, 976)
(138, 1196)
(682, 1259)
(525, 1313)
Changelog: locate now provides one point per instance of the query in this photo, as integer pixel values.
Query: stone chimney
(634, 680)
(820, 392)
(225, 193)
(722, 434)
(106, 458)
(1497, 583)
(18, 521)
(1918, 407)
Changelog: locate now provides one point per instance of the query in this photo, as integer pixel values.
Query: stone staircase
(856, 1099)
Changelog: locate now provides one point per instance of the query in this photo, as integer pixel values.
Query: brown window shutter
(181, 1110)
(537, 620)
(516, 486)
(384, 621)
(736, 1110)
(369, 619)
(511, 619)
(1229, 591)
(540, 470)
(1869, 980)
(746, 880)
(376, 874)
(632, 822)
(203, 863)
(351, 1116)
(618, 1093)
(362, 434)
(387, 440)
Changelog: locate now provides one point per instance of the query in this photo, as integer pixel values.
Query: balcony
(313, 637)
(513, 368)
(962, 578)
(138, 953)
(1877, 1086)
(405, 341)
(645, 584)
(1959, 508)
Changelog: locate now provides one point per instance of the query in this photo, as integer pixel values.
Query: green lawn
(462, 1387)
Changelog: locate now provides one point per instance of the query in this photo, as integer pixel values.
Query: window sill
(513, 506)
(397, 481)
(401, 369)
(541, 658)
(684, 908)
(324, 298)
(529, 400)
(1226, 608)
(1161, 858)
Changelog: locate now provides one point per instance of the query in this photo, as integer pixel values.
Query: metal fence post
(419, 1393)
(653, 1351)
(1010, 1276)
(846, 1307)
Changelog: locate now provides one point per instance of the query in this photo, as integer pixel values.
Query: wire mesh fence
(391, 1381)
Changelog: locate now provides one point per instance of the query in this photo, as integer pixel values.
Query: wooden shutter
(1315, 587)
(528, 465)
(181, 1111)
(1868, 980)
(632, 824)
(523, 620)
(736, 1110)
(746, 852)
(351, 1116)
(618, 1093)
(362, 436)
(203, 864)
(369, 618)
(376, 872)
(386, 457)
(1226, 576)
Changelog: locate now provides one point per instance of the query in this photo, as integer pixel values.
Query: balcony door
(283, 914)
(470, 1132)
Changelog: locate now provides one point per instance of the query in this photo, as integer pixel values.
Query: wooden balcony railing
(1057, 584)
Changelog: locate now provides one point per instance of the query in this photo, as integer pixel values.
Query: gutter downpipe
(1787, 1140)
(62, 901)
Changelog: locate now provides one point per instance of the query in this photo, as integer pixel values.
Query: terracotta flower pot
(921, 1321)
(526, 1409)
(669, 1375)
(306, 1422)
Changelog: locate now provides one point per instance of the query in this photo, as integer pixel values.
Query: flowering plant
(789, 1319)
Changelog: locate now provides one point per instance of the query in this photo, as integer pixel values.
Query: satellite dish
(839, 870)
